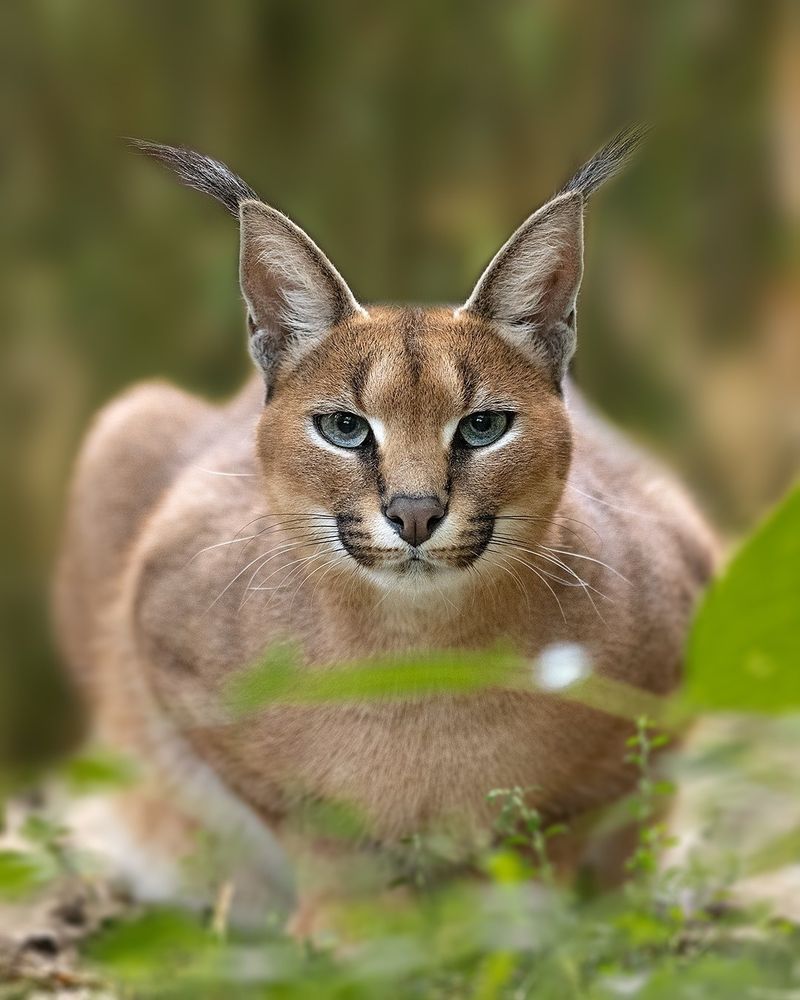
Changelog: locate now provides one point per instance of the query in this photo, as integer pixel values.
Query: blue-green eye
(479, 429)
(345, 430)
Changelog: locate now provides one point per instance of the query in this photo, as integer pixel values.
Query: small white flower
(561, 665)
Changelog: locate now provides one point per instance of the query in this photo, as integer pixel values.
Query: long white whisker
(216, 472)
(578, 555)
(514, 576)
(536, 573)
(218, 545)
(311, 540)
(587, 587)
(296, 563)
(327, 567)
(388, 592)
(247, 538)
(614, 506)
(262, 584)
(271, 553)
(557, 562)
(231, 583)
(446, 599)
(554, 522)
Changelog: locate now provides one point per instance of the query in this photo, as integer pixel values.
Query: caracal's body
(187, 555)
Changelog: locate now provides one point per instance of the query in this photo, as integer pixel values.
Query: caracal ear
(294, 294)
(529, 289)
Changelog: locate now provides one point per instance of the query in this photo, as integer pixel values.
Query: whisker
(270, 553)
(614, 506)
(231, 583)
(318, 542)
(552, 576)
(216, 472)
(470, 568)
(294, 565)
(327, 567)
(557, 562)
(218, 545)
(584, 585)
(536, 573)
(554, 523)
(269, 556)
(261, 517)
(514, 576)
(446, 599)
(578, 555)
(300, 513)
(388, 592)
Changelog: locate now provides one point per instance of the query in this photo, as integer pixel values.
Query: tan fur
(157, 614)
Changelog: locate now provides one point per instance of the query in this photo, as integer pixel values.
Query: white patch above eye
(378, 429)
(449, 431)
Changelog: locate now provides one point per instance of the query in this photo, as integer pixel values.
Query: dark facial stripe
(469, 381)
(413, 319)
(358, 379)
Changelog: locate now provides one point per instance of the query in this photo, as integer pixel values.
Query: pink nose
(414, 518)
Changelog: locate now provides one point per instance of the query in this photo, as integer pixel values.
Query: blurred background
(408, 139)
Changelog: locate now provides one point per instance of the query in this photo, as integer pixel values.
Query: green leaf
(744, 650)
(278, 678)
(781, 851)
(161, 943)
(99, 770)
(41, 830)
(22, 872)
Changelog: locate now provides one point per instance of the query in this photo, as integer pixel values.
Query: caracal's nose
(414, 518)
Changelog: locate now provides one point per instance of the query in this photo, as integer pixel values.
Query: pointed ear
(529, 289)
(294, 294)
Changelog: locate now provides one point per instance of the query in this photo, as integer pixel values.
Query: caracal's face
(399, 440)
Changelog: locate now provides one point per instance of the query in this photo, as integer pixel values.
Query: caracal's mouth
(434, 557)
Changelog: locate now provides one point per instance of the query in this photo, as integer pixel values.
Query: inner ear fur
(530, 288)
(294, 294)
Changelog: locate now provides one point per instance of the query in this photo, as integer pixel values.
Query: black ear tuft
(201, 173)
(607, 161)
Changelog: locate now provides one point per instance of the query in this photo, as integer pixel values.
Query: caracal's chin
(416, 576)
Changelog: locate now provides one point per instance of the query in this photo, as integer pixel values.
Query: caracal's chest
(216, 583)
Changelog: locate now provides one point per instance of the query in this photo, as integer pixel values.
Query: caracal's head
(399, 437)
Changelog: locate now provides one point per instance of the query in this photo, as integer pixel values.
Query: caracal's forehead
(399, 363)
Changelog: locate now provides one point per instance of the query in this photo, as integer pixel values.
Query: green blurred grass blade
(277, 678)
(744, 650)
(22, 872)
(97, 770)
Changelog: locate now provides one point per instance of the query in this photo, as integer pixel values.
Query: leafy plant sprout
(653, 838)
(523, 826)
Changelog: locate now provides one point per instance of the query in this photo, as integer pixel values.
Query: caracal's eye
(345, 430)
(479, 429)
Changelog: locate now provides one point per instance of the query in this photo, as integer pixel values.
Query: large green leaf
(744, 650)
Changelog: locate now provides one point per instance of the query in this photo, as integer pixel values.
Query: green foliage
(644, 803)
(522, 826)
(744, 651)
(277, 678)
(165, 949)
(97, 771)
(504, 940)
(22, 871)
